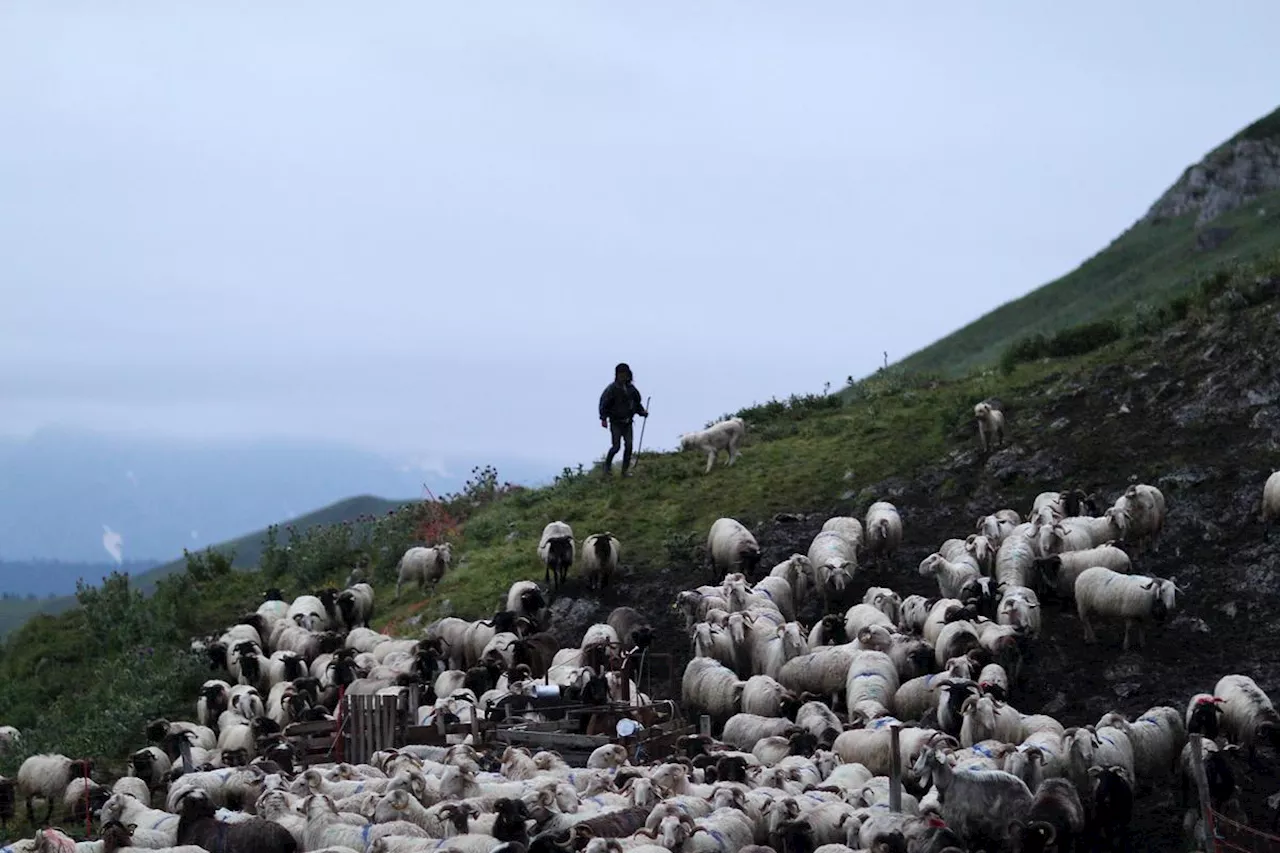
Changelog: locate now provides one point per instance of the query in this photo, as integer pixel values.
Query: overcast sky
(434, 228)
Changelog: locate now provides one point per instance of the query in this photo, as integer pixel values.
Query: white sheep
(1143, 509)
(600, 553)
(421, 566)
(848, 527)
(987, 719)
(821, 671)
(1020, 607)
(797, 571)
(1271, 502)
(951, 576)
(732, 548)
(46, 776)
(711, 687)
(1247, 713)
(725, 435)
(998, 525)
(741, 731)
(1157, 738)
(870, 684)
(355, 603)
(1060, 571)
(771, 649)
(766, 697)
(990, 425)
(778, 593)
(913, 613)
(524, 598)
(1137, 599)
(307, 611)
(883, 530)
(834, 563)
(861, 616)
(886, 601)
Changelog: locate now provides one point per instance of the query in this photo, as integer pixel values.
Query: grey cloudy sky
(433, 228)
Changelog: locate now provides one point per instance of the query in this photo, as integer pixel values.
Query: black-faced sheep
(47, 776)
(980, 805)
(355, 605)
(421, 566)
(556, 550)
(1054, 822)
(600, 553)
(725, 435)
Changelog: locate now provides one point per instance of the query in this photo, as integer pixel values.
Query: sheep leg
(1089, 636)
(48, 814)
(1128, 628)
(711, 460)
(31, 811)
(399, 581)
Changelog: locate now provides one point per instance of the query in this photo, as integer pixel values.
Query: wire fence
(1230, 836)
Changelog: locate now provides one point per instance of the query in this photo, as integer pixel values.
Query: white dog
(724, 435)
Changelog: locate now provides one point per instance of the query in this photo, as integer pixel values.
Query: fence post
(895, 769)
(1202, 787)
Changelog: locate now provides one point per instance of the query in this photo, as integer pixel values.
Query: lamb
(1157, 738)
(834, 563)
(711, 687)
(1136, 599)
(1020, 607)
(1054, 821)
(600, 552)
(1248, 715)
(1270, 503)
(725, 435)
(355, 605)
(951, 576)
(883, 529)
(1059, 571)
(978, 804)
(990, 425)
(556, 550)
(732, 548)
(47, 776)
(421, 566)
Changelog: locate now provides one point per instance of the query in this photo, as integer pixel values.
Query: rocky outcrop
(1231, 176)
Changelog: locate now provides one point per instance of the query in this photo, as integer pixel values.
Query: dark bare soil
(1196, 415)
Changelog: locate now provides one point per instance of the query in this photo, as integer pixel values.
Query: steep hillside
(1187, 400)
(1227, 206)
(246, 550)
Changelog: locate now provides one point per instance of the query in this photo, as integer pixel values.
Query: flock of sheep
(804, 714)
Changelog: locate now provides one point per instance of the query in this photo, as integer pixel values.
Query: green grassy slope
(247, 550)
(1149, 262)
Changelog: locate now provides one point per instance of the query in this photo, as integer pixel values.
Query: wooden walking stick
(640, 443)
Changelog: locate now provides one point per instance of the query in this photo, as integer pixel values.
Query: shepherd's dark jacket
(620, 402)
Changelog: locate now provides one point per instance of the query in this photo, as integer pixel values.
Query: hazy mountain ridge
(60, 489)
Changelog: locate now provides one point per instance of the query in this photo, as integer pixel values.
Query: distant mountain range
(67, 495)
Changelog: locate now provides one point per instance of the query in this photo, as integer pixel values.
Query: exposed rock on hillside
(1231, 176)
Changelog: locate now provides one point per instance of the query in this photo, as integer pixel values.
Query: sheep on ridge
(725, 435)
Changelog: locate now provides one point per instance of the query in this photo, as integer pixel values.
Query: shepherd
(619, 404)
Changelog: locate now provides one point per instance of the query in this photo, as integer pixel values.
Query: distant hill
(60, 489)
(43, 578)
(247, 550)
(1227, 206)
